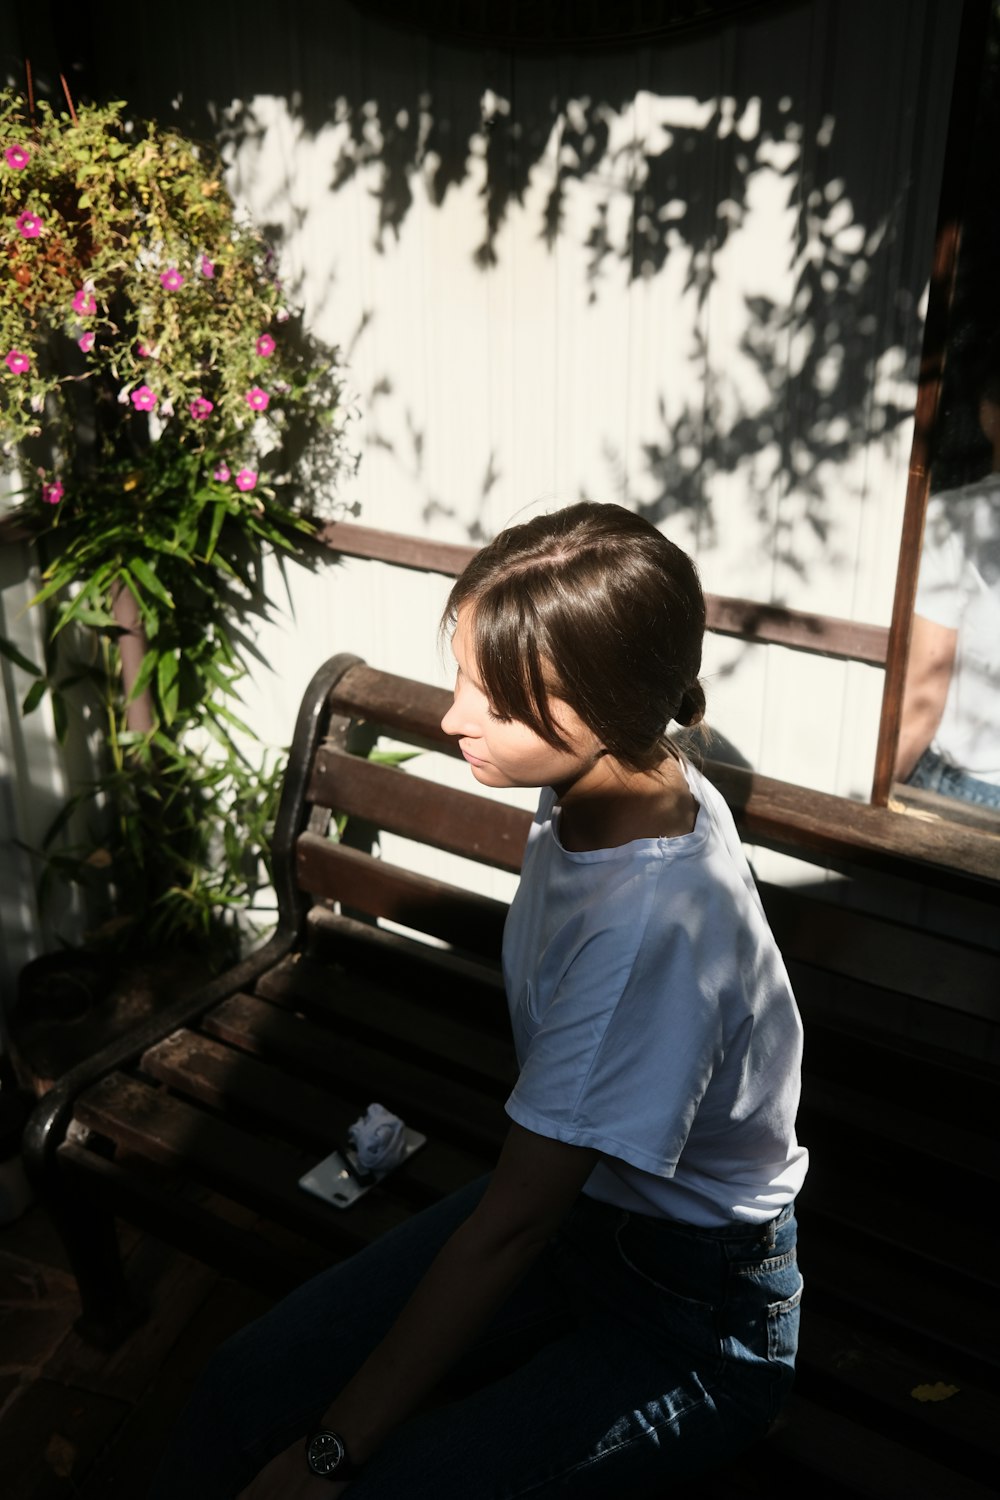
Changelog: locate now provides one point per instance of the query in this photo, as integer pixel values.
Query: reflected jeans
(935, 774)
(636, 1350)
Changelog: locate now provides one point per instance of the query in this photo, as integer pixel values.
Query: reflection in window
(949, 740)
(950, 737)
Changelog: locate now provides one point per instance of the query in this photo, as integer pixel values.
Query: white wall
(720, 326)
(751, 396)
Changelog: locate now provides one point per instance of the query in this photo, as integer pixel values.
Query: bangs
(509, 644)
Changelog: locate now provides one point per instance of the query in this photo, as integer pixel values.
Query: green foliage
(172, 423)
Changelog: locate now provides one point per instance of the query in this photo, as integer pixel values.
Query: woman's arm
(928, 674)
(535, 1184)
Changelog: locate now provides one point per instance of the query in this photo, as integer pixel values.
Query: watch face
(325, 1453)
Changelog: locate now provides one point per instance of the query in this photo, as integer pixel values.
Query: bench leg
(86, 1226)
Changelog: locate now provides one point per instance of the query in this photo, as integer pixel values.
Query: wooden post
(132, 647)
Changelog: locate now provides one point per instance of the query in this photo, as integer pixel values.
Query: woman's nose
(456, 720)
(450, 721)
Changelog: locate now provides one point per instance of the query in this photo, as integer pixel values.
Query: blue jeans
(935, 774)
(636, 1350)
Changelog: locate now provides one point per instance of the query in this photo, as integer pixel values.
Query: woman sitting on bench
(638, 1229)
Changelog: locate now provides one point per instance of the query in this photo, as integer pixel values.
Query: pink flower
(222, 474)
(257, 399)
(206, 267)
(17, 362)
(246, 479)
(52, 493)
(172, 279)
(86, 342)
(282, 315)
(84, 302)
(143, 351)
(17, 157)
(201, 408)
(144, 399)
(265, 346)
(29, 225)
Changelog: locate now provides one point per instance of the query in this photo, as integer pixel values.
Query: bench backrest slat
(408, 710)
(333, 872)
(457, 822)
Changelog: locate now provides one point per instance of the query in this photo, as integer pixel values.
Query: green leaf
(141, 569)
(392, 757)
(34, 696)
(145, 674)
(63, 816)
(60, 715)
(230, 718)
(215, 675)
(97, 619)
(8, 649)
(167, 685)
(219, 513)
(52, 587)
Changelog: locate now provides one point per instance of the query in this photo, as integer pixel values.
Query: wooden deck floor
(74, 1422)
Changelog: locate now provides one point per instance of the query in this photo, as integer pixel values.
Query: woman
(639, 1222)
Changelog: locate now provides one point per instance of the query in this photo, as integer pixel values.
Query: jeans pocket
(783, 1328)
(766, 1301)
(673, 1298)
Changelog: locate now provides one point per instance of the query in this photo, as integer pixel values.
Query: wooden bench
(198, 1126)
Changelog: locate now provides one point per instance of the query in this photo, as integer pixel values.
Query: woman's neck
(610, 806)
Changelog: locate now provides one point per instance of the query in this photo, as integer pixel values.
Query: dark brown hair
(593, 605)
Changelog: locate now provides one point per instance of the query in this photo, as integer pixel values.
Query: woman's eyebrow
(464, 672)
(472, 681)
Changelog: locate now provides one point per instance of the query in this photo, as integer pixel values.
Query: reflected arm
(928, 674)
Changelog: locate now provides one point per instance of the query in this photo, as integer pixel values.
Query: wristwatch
(326, 1455)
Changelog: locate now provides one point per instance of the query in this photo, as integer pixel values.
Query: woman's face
(507, 752)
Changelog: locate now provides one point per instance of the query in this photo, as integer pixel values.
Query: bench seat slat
(418, 968)
(441, 817)
(834, 1352)
(835, 1455)
(410, 1024)
(205, 1070)
(151, 1123)
(197, 1225)
(361, 1071)
(868, 1277)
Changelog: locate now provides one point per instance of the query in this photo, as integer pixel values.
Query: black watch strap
(327, 1456)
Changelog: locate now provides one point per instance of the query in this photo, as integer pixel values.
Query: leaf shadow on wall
(650, 156)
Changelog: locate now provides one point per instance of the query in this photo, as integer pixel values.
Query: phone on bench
(341, 1180)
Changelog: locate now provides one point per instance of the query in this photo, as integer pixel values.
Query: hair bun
(691, 709)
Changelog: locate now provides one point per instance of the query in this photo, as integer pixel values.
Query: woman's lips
(473, 760)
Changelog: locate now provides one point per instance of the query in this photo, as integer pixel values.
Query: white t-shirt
(653, 1019)
(960, 587)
